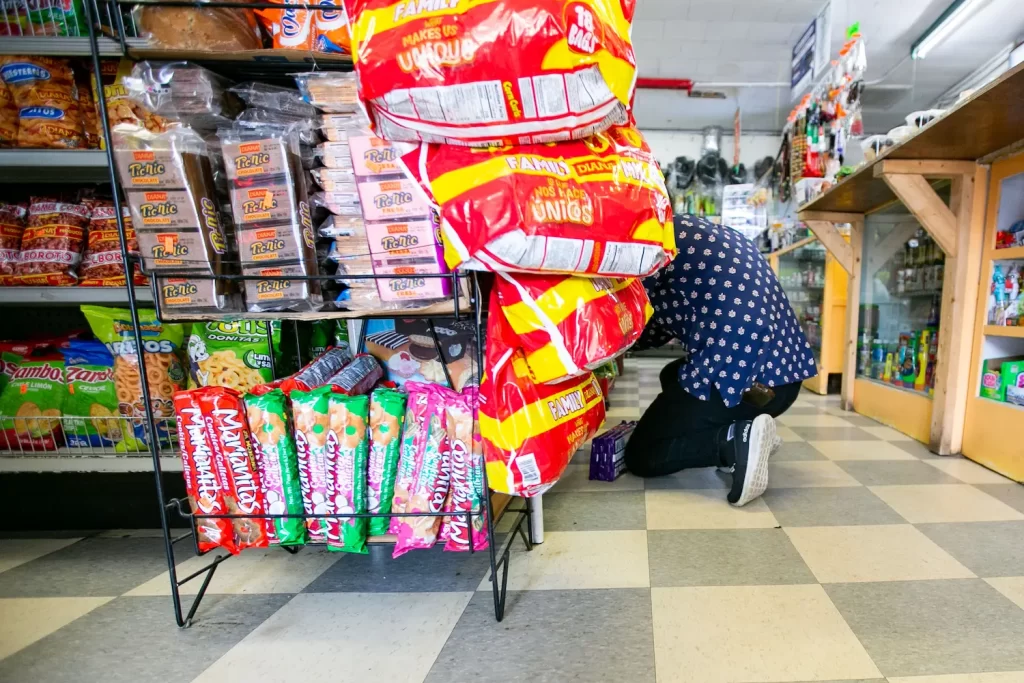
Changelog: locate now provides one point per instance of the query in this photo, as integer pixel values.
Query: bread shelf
(1004, 331)
(70, 296)
(53, 166)
(985, 123)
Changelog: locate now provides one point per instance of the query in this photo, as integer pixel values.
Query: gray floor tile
(91, 567)
(986, 548)
(885, 472)
(840, 506)
(130, 640)
(556, 635)
(418, 571)
(697, 478)
(834, 433)
(918, 450)
(614, 510)
(913, 628)
(728, 557)
(797, 450)
(1011, 494)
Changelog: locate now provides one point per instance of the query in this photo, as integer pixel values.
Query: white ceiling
(750, 41)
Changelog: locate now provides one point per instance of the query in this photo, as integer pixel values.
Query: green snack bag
(32, 404)
(347, 447)
(278, 465)
(387, 413)
(232, 354)
(310, 415)
(91, 406)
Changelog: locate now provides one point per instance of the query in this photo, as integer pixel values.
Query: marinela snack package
(427, 70)
(596, 206)
(387, 414)
(347, 447)
(32, 404)
(92, 418)
(311, 413)
(530, 431)
(235, 354)
(271, 428)
(568, 326)
(202, 482)
(467, 475)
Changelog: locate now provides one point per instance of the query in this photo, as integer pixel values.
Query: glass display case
(802, 276)
(900, 305)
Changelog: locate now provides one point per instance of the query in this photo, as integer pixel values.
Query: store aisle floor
(868, 558)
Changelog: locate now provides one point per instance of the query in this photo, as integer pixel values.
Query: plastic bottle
(922, 362)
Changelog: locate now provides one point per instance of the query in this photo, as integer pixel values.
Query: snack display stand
(816, 286)
(939, 179)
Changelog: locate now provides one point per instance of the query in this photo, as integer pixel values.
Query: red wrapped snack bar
(592, 207)
(568, 325)
(202, 483)
(51, 246)
(499, 72)
(228, 430)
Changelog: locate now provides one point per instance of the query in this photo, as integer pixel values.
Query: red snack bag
(530, 431)
(202, 483)
(289, 27)
(12, 225)
(360, 376)
(51, 246)
(315, 374)
(568, 325)
(591, 207)
(500, 72)
(228, 430)
(467, 475)
(102, 264)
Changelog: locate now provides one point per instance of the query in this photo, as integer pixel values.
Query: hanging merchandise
(427, 70)
(596, 206)
(568, 326)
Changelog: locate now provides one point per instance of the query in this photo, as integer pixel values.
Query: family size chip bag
(32, 404)
(91, 405)
(568, 326)
(272, 441)
(499, 72)
(530, 431)
(347, 447)
(596, 206)
(467, 476)
(310, 411)
(387, 414)
(234, 354)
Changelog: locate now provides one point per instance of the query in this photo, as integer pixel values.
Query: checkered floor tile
(868, 559)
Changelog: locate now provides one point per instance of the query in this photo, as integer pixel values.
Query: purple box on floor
(608, 452)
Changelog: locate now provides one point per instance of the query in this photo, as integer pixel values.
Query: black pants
(680, 431)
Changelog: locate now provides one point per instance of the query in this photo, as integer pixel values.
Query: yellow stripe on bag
(561, 301)
(540, 417)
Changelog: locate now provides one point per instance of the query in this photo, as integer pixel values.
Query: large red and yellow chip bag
(591, 207)
(493, 71)
(530, 431)
(568, 325)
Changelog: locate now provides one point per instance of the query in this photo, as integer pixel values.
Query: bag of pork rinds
(592, 207)
(498, 72)
(530, 431)
(568, 325)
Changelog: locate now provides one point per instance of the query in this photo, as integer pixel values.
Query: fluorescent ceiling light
(950, 20)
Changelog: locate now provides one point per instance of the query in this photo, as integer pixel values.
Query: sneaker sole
(762, 437)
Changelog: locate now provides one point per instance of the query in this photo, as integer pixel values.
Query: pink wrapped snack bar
(373, 156)
(467, 462)
(429, 450)
(392, 199)
(388, 238)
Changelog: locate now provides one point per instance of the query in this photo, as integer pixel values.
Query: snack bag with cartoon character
(346, 471)
(467, 463)
(272, 441)
(387, 413)
(430, 485)
(312, 420)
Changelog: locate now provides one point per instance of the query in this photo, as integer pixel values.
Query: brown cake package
(272, 220)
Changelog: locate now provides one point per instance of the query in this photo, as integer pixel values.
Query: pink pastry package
(467, 476)
(429, 450)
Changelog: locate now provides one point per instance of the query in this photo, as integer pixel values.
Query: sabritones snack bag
(568, 326)
(467, 477)
(596, 206)
(530, 431)
(271, 429)
(202, 483)
(503, 71)
(387, 414)
(347, 448)
(312, 421)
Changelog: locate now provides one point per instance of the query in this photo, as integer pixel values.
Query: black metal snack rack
(109, 22)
